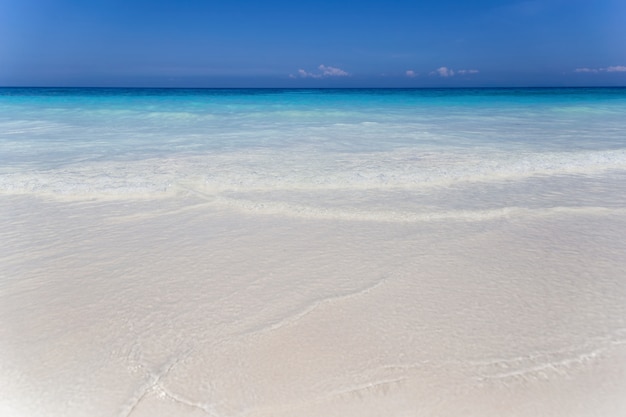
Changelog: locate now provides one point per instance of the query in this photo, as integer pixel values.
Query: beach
(313, 253)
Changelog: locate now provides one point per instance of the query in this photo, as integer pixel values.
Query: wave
(264, 170)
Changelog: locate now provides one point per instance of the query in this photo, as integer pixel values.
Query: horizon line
(309, 88)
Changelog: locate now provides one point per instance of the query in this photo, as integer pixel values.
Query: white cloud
(445, 72)
(302, 73)
(324, 71)
(469, 71)
(585, 70)
(305, 74)
(614, 68)
(332, 71)
(449, 72)
(411, 73)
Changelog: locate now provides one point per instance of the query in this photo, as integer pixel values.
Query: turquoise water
(120, 141)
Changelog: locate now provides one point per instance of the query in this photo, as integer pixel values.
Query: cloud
(332, 71)
(614, 68)
(324, 71)
(585, 70)
(470, 71)
(411, 73)
(445, 72)
(449, 72)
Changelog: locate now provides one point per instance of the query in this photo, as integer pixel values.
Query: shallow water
(313, 252)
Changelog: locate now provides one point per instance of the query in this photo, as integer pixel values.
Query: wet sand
(179, 306)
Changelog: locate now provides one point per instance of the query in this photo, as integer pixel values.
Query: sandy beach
(179, 306)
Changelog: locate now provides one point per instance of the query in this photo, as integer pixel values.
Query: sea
(90, 142)
(335, 252)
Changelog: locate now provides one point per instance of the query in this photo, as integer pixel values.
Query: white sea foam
(276, 170)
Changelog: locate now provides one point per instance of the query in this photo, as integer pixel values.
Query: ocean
(366, 252)
(125, 141)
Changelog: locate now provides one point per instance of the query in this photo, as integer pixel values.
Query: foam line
(309, 212)
(314, 305)
(573, 357)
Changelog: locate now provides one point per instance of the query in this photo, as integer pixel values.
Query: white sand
(178, 307)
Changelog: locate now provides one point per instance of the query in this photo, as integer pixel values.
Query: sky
(312, 43)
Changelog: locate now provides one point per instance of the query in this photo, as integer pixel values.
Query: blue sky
(315, 43)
